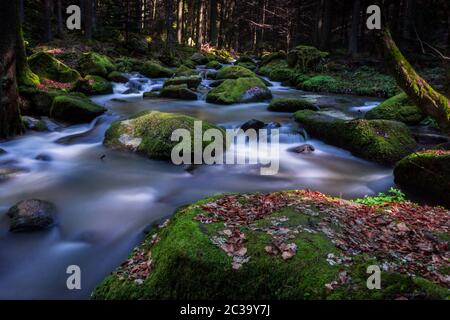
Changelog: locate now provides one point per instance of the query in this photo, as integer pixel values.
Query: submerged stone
(31, 215)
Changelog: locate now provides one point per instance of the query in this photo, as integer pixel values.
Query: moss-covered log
(421, 93)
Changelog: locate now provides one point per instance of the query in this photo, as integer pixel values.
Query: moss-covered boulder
(291, 105)
(75, 108)
(191, 81)
(199, 58)
(214, 64)
(180, 91)
(117, 76)
(426, 173)
(382, 141)
(149, 133)
(185, 71)
(153, 69)
(96, 64)
(40, 101)
(47, 67)
(283, 246)
(398, 108)
(127, 64)
(277, 70)
(234, 72)
(321, 83)
(239, 90)
(280, 55)
(306, 58)
(93, 85)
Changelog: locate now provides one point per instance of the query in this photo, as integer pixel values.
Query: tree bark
(424, 96)
(354, 31)
(180, 12)
(200, 17)
(10, 122)
(47, 36)
(59, 17)
(213, 22)
(170, 8)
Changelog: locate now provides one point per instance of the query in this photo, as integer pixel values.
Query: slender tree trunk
(10, 122)
(201, 7)
(424, 96)
(180, 12)
(213, 22)
(59, 17)
(48, 36)
(170, 8)
(354, 31)
(138, 11)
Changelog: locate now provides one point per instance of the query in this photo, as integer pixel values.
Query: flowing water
(104, 205)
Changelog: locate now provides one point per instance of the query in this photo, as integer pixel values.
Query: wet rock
(46, 66)
(253, 124)
(116, 76)
(43, 157)
(214, 64)
(34, 124)
(7, 172)
(291, 105)
(154, 69)
(96, 64)
(31, 215)
(192, 81)
(2, 151)
(235, 72)
(151, 94)
(75, 108)
(240, 90)
(178, 92)
(199, 58)
(304, 148)
(93, 85)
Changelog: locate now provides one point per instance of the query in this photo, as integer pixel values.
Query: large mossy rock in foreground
(426, 173)
(96, 64)
(382, 141)
(75, 108)
(398, 108)
(288, 245)
(149, 133)
(240, 90)
(93, 85)
(47, 67)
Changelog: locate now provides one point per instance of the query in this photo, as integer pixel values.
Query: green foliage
(239, 90)
(291, 105)
(393, 195)
(47, 67)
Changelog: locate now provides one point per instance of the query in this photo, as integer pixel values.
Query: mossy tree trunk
(424, 96)
(10, 122)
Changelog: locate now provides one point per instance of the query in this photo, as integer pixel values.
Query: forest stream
(107, 198)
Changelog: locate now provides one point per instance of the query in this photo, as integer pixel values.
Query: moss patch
(75, 108)
(214, 64)
(291, 105)
(239, 90)
(192, 81)
(150, 132)
(96, 64)
(398, 108)
(153, 69)
(93, 85)
(180, 91)
(306, 58)
(186, 260)
(382, 141)
(45, 66)
(427, 173)
(277, 70)
(234, 72)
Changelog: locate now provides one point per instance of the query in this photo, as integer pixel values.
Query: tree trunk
(88, 18)
(424, 96)
(170, 8)
(213, 22)
(10, 122)
(138, 11)
(59, 17)
(47, 20)
(200, 18)
(180, 12)
(354, 31)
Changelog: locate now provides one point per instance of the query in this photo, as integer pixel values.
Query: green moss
(93, 85)
(184, 71)
(186, 265)
(29, 78)
(179, 91)
(191, 81)
(277, 70)
(45, 66)
(239, 90)
(268, 58)
(75, 108)
(306, 58)
(248, 65)
(426, 173)
(153, 69)
(214, 64)
(234, 72)
(40, 100)
(126, 64)
(382, 141)
(117, 76)
(321, 83)
(398, 108)
(96, 64)
(291, 105)
(150, 132)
